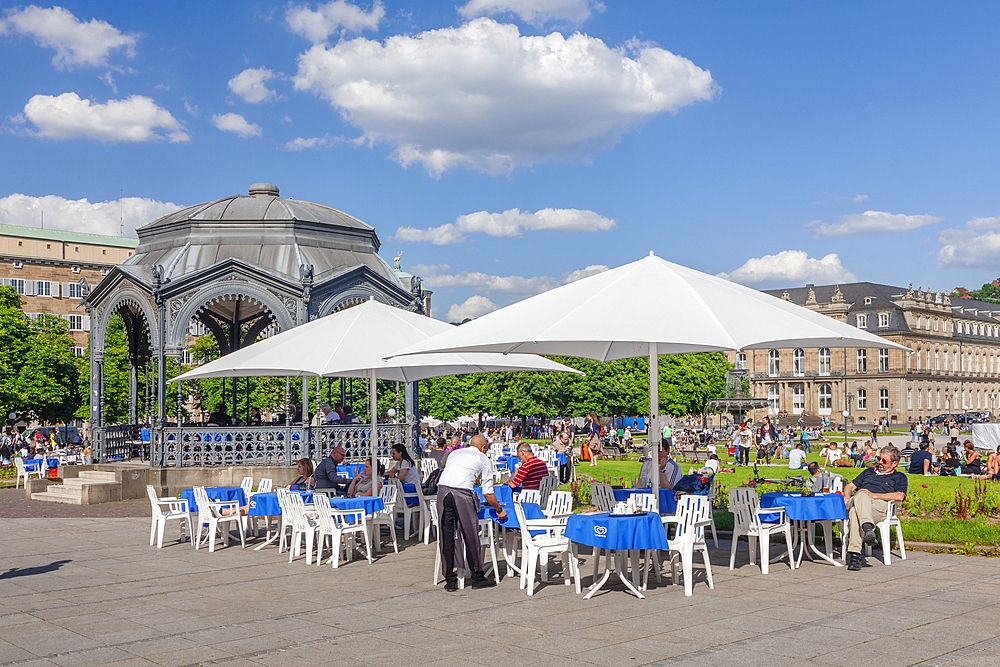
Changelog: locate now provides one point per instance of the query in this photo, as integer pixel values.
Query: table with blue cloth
(511, 462)
(806, 512)
(668, 504)
(503, 493)
(351, 470)
(223, 493)
(370, 504)
(266, 504)
(35, 464)
(620, 534)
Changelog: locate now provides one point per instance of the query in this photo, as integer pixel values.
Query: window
(883, 399)
(918, 359)
(79, 351)
(883, 360)
(74, 290)
(937, 365)
(938, 399)
(862, 399)
(909, 399)
(920, 395)
(862, 321)
(862, 361)
(773, 363)
(799, 362)
(43, 288)
(798, 398)
(17, 284)
(773, 399)
(883, 320)
(825, 399)
(741, 361)
(824, 361)
(75, 322)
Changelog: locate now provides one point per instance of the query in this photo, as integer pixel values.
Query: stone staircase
(90, 488)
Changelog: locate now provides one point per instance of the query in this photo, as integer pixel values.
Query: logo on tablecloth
(253, 504)
(600, 531)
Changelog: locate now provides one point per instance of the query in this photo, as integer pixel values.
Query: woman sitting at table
(405, 469)
(305, 481)
(361, 485)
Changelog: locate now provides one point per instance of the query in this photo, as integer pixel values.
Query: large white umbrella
(646, 308)
(355, 343)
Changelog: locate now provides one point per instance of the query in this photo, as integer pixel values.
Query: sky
(505, 147)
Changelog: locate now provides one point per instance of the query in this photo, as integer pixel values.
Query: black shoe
(483, 583)
(853, 562)
(864, 561)
(451, 586)
(869, 537)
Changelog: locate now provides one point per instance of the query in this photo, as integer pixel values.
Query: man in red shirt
(531, 471)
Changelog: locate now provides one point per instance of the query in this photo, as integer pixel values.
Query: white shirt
(408, 474)
(670, 468)
(713, 464)
(796, 458)
(464, 466)
(832, 456)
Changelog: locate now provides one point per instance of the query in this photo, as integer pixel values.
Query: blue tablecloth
(638, 531)
(215, 493)
(668, 504)
(503, 493)
(367, 503)
(510, 461)
(531, 511)
(31, 464)
(266, 504)
(820, 507)
(352, 469)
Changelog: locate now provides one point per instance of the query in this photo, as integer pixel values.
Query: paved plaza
(89, 591)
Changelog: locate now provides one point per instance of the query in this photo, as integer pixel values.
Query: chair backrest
(530, 496)
(642, 502)
(427, 466)
(744, 503)
(547, 486)
(433, 505)
(153, 500)
(693, 512)
(19, 464)
(283, 503)
(265, 485)
(837, 485)
(602, 497)
(247, 486)
(559, 505)
(297, 510)
(201, 499)
(389, 494)
(324, 513)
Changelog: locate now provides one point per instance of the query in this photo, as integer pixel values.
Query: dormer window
(868, 300)
(883, 320)
(862, 321)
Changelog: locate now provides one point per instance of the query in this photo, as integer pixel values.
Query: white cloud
(251, 85)
(434, 276)
(580, 274)
(77, 44)
(472, 308)
(483, 96)
(233, 122)
(536, 12)
(790, 266)
(136, 118)
(328, 19)
(80, 215)
(873, 221)
(976, 246)
(508, 224)
(857, 199)
(301, 143)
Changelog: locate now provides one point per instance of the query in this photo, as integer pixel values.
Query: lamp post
(846, 415)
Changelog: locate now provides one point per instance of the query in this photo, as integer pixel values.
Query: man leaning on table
(869, 495)
(457, 513)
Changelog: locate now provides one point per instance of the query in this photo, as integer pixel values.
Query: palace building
(954, 366)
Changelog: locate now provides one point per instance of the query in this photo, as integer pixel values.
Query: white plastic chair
(211, 512)
(885, 534)
(427, 466)
(167, 509)
(265, 485)
(745, 506)
(546, 486)
(711, 513)
(529, 496)
(559, 505)
(285, 523)
(247, 486)
(338, 524)
(303, 526)
(409, 512)
(487, 539)
(602, 497)
(692, 516)
(25, 473)
(538, 548)
(386, 516)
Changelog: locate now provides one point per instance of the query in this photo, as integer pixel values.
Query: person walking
(594, 438)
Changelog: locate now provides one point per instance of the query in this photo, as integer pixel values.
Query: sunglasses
(885, 461)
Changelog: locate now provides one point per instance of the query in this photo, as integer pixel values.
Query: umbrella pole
(373, 407)
(653, 433)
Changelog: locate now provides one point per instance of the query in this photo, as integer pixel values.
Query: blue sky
(506, 146)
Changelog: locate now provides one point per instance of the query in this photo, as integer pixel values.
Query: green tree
(15, 333)
(50, 373)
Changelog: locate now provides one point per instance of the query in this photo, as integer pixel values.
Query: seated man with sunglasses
(869, 495)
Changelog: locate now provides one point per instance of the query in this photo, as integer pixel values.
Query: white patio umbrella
(354, 343)
(647, 308)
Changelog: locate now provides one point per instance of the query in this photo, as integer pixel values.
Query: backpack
(693, 485)
(430, 486)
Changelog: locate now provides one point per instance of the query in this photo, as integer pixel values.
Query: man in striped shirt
(531, 471)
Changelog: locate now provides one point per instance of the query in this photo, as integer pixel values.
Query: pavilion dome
(263, 229)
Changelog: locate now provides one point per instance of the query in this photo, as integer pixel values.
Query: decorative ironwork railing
(122, 442)
(266, 445)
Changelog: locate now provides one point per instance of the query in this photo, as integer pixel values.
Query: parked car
(940, 419)
(978, 417)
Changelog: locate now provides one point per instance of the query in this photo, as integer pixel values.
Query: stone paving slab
(84, 591)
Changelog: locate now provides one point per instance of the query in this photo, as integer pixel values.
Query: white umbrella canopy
(355, 341)
(618, 313)
(647, 308)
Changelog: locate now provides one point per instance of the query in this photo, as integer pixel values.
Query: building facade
(45, 266)
(954, 366)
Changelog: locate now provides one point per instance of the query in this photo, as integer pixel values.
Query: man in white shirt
(831, 453)
(670, 471)
(797, 458)
(457, 510)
